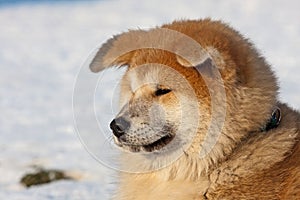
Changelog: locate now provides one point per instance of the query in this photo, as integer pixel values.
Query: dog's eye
(160, 92)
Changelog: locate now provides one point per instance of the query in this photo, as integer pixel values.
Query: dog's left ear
(117, 51)
(206, 63)
(207, 68)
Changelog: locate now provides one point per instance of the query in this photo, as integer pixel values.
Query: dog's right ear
(117, 51)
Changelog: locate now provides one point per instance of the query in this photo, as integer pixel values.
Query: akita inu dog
(200, 116)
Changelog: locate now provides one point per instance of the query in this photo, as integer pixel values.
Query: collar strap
(274, 120)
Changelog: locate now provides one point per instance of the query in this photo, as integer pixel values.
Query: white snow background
(42, 46)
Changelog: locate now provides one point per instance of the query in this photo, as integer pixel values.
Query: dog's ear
(207, 68)
(206, 62)
(116, 51)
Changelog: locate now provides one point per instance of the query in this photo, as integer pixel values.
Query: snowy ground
(42, 46)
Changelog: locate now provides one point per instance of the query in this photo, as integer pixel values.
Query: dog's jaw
(167, 135)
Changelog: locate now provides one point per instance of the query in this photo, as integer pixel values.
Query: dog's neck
(253, 144)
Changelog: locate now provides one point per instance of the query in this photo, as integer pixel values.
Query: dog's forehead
(175, 77)
(147, 74)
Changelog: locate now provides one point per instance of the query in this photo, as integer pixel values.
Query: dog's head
(159, 106)
(171, 89)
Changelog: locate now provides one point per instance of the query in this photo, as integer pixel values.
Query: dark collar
(274, 120)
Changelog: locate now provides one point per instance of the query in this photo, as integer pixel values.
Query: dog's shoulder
(269, 158)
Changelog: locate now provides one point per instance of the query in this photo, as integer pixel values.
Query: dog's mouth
(158, 144)
(154, 146)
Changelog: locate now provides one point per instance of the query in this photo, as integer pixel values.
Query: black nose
(119, 126)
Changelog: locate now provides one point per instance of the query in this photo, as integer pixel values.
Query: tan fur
(245, 163)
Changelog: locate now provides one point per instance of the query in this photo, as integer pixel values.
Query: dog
(200, 116)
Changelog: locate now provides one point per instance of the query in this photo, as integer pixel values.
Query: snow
(42, 48)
